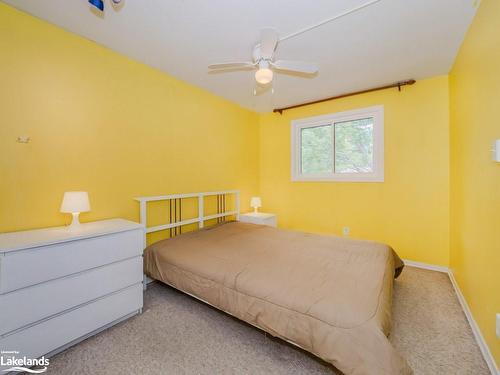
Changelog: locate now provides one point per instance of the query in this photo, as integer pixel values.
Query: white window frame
(376, 112)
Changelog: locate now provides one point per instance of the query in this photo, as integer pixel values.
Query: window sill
(349, 178)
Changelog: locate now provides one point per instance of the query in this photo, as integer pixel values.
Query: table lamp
(255, 202)
(73, 203)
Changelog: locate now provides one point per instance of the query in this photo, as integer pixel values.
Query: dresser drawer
(19, 269)
(28, 305)
(60, 330)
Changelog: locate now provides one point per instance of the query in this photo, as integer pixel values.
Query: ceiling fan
(264, 62)
(263, 53)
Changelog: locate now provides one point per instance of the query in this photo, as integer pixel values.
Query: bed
(328, 295)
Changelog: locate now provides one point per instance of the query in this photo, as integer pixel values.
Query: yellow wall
(475, 178)
(409, 211)
(114, 127)
(106, 124)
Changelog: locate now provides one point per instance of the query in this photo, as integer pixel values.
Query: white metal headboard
(143, 201)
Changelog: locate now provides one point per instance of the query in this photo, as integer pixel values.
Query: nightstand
(260, 218)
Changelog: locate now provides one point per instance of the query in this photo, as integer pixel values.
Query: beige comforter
(329, 295)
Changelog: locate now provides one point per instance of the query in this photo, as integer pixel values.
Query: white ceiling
(389, 41)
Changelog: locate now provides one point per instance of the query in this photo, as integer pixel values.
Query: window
(346, 146)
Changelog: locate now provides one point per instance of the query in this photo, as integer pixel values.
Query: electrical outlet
(345, 231)
(498, 326)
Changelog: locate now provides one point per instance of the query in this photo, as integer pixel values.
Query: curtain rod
(393, 85)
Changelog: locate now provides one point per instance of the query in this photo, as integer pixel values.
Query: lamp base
(75, 223)
(256, 210)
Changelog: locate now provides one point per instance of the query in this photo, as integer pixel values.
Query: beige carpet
(176, 334)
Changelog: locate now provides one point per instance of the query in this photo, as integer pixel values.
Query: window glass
(354, 146)
(317, 150)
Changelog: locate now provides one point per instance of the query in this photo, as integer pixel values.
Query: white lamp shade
(75, 201)
(255, 202)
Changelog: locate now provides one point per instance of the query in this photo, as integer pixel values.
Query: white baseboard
(425, 266)
(485, 350)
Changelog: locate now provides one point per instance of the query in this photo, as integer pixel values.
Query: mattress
(328, 295)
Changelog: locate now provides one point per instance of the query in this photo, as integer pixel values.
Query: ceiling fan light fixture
(264, 76)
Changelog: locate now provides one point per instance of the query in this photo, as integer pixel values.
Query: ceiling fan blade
(231, 65)
(296, 66)
(268, 42)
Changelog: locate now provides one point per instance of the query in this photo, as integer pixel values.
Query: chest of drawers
(59, 286)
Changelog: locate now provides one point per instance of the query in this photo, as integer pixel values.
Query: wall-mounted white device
(496, 151)
(498, 326)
